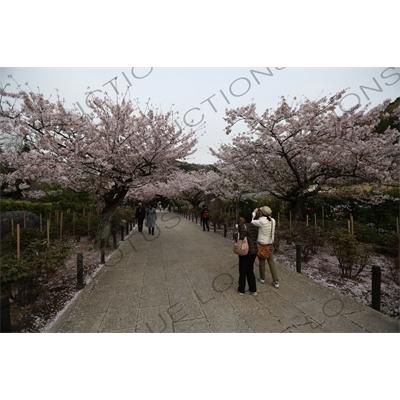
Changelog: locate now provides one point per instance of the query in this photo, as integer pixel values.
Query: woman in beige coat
(266, 234)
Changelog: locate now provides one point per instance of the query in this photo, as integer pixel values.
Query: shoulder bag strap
(272, 225)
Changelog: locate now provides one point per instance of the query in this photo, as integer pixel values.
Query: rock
(32, 221)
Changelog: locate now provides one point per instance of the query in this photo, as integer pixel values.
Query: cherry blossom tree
(146, 193)
(181, 186)
(298, 150)
(114, 148)
(230, 184)
(186, 187)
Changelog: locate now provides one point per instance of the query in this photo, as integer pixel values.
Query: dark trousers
(246, 272)
(140, 225)
(205, 224)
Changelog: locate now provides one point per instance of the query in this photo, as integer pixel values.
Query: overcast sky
(201, 95)
(190, 39)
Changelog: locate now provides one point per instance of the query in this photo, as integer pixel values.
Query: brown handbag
(263, 250)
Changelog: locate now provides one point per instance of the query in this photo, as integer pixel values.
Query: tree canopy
(114, 148)
(298, 150)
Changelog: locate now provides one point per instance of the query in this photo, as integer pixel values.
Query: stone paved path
(185, 280)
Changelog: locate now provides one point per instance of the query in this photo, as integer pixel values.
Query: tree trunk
(104, 227)
(295, 206)
(113, 200)
(237, 206)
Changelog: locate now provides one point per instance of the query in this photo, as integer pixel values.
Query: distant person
(201, 214)
(266, 234)
(140, 215)
(246, 263)
(205, 217)
(151, 218)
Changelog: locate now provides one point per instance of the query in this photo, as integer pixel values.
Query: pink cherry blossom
(117, 147)
(296, 151)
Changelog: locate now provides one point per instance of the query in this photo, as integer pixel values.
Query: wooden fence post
(79, 265)
(102, 251)
(61, 224)
(18, 241)
(5, 314)
(376, 288)
(73, 223)
(48, 232)
(298, 258)
(351, 225)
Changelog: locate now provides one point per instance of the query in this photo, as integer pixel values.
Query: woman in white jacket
(266, 234)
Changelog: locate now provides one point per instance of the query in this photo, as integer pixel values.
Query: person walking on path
(266, 234)
(151, 218)
(201, 214)
(205, 216)
(246, 263)
(140, 215)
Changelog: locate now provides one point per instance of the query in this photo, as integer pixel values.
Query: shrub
(394, 269)
(394, 266)
(221, 218)
(121, 213)
(389, 244)
(24, 279)
(309, 238)
(345, 250)
(364, 233)
(25, 205)
(125, 213)
(350, 253)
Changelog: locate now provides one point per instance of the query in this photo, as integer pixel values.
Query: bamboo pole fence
(18, 242)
